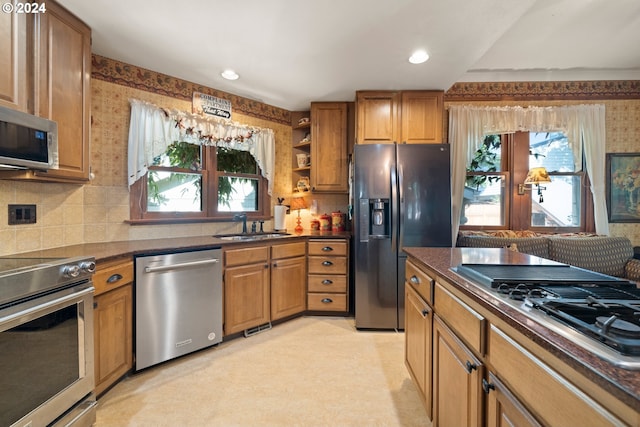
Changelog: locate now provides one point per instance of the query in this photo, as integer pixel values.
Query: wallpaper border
(124, 74)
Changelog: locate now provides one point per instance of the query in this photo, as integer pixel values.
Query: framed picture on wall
(623, 187)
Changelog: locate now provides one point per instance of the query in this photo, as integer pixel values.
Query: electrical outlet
(22, 214)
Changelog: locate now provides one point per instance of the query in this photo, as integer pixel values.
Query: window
(491, 198)
(192, 181)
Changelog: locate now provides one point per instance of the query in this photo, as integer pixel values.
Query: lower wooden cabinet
(457, 380)
(328, 262)
(113, 323)
(288, 279)
(418, 320)
(503, 408)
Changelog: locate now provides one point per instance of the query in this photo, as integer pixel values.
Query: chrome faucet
(241, 217)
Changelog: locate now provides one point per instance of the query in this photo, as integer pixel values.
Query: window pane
(484, 202)
(552, 151)
(235, 161)
(488, 157)
(237, 194)
(181, 155)
(174, 192)
(561, 202)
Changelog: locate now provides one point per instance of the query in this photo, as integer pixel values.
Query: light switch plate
(22, 214)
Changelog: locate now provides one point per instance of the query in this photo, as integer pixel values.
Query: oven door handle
(40, 307)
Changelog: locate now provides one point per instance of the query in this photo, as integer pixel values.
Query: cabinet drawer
(328, 247)
(327, 302)
(327, 265)
(420, 281)
(112, 275)
(246, 255)
(467, 324)
(288, 250)
(327, 283)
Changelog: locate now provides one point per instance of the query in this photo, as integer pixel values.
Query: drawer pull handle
(327, 300)
(114, 278)
(327, 263)
(327, 249)
(471, 366)
(327, 282)
(487, 386)
(415, 280)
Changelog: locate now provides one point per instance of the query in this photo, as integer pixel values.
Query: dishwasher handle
(170, 267)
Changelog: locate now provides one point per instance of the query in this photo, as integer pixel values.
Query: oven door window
(38, 359)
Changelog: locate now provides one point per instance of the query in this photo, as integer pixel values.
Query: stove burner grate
(616, 326)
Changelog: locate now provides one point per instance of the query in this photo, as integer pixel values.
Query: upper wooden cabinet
(45, 64)
(329, 147)
(385, 117)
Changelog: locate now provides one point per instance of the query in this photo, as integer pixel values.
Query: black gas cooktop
(598, 312)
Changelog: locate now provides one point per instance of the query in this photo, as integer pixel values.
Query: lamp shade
(298, 203)
(537, 176)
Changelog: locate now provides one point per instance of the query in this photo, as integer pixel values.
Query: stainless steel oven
(46, 342)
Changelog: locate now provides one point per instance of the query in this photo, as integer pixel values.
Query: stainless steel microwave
(27, 141)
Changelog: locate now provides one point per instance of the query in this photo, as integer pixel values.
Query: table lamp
(298, 202)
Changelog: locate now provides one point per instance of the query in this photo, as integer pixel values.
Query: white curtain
(583, 125)
(153, 129)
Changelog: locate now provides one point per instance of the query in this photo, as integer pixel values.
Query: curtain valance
(152, 129)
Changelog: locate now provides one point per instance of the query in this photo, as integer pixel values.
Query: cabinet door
(63, 88)
(113, 336)
(14, 73)
(377, 117)
(288, 287)
(503, 408)
(246, 297)
(418, 326)
(422, 116)
(329, 147)
(457, 376)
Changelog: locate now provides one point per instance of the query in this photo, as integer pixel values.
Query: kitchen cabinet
(412, 117)
(113, 324)
(288, 279)
(15, 81)
(53, 81)
(246, 288)
(328, 266)
(485, 372)
(301, 135)
(329, 147)
(418, 339)
(457, 380)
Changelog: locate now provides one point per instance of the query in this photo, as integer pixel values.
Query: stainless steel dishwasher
(178, 304)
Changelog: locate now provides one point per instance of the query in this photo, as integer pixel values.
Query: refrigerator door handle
(393, 208)
(401, 205)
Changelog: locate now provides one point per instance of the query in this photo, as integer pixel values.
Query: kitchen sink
(250, 237)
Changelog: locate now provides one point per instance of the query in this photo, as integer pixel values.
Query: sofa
(613, 256)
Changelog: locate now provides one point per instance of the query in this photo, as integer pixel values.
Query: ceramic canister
(325, 222)
(338, 220)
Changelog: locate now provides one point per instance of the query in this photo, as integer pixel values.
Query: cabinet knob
(415, 280)
(327, 300)
(327, 282)
(487, 386)
(425, 313)
(327, 249)
(114, 278)
(471, 366)
(275, 264)
(327, 263)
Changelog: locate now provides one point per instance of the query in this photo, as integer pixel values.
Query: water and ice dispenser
(375, 218)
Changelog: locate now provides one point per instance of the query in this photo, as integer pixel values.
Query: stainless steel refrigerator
(401, 197)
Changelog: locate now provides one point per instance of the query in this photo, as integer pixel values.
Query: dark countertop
(622, 383)
(106, 251)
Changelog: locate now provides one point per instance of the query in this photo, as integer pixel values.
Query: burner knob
(88, 266)
(71, 270)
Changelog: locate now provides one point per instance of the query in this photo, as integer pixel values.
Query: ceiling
(291, 52)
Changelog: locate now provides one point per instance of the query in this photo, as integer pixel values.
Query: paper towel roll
(279, 216)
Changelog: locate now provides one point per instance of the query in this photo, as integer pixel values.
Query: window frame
(209, 198)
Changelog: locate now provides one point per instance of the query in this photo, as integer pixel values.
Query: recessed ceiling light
(418, 57)
(230, 75)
